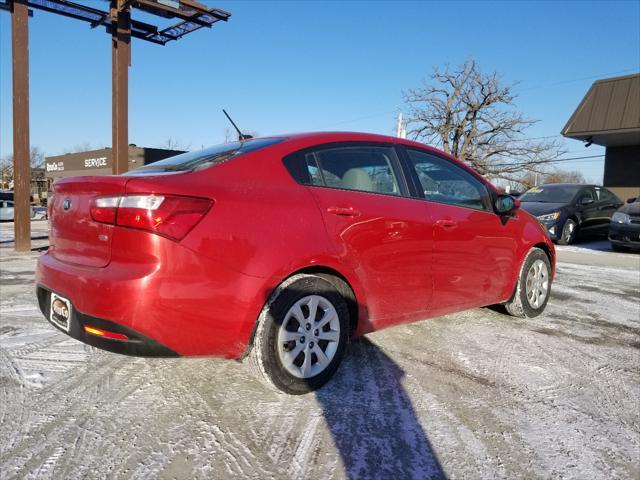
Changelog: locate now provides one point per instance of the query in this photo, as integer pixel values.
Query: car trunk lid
(74, 236)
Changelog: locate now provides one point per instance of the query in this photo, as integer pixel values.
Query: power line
(534, 138)
(367, 117)
(561, 82)
(590, 77)
(540, 162)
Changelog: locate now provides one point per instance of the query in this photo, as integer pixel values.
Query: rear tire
(533, 288)
(568, 234)
(301, 336)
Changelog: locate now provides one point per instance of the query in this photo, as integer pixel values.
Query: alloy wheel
(537, 284)
(309, 336)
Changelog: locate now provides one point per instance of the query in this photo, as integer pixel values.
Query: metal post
(120, 60)
(21, 160)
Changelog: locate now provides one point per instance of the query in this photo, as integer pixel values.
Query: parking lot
(472, 395)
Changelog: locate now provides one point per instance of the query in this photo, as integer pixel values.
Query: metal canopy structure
(191, 16)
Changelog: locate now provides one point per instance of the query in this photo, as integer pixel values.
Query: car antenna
(241, 136)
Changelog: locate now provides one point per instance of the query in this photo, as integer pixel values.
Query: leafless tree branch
(472, 116)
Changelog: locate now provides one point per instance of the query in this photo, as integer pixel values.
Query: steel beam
(21, 154)
(120, 61)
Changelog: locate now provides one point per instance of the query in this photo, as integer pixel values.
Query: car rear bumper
(163, 294)
(135, 344)
(627, 235)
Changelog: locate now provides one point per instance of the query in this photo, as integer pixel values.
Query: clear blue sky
(297, 66)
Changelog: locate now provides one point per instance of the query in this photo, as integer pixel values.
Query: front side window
(443, 182)
(362, 168)
(586, 194)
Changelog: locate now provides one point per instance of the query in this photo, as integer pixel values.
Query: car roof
(354, 136)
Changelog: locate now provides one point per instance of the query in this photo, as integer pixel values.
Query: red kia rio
(280, 249)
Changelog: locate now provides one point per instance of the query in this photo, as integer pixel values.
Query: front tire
(301, 336)
(533, 288)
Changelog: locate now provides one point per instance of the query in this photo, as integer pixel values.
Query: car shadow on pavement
(372, 419)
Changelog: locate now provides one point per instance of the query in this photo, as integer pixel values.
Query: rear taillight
(168, 215)
(104, 209)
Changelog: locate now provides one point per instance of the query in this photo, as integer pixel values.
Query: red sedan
(280, 249)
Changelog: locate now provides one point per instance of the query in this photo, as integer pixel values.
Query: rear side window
(443, 182)
(607, 196)
(362, 168)
(206, 158)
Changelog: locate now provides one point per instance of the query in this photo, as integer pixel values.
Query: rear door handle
(447, 224)
(343, 211)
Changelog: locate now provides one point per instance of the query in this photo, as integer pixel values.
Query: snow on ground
(39, 230)
(471, 395)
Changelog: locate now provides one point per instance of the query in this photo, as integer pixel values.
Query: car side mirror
(586, 201)
(506, 204)
(631, 200)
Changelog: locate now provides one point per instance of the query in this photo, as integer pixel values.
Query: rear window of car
(207, 157)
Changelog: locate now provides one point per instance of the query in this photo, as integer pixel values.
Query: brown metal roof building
(609, 115)
(100, 162)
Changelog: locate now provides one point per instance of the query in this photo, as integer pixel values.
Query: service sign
(95, 162)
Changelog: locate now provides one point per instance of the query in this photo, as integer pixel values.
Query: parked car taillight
(168, 215)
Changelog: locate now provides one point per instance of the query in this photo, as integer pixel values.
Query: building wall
(99, 162)
(622, 171)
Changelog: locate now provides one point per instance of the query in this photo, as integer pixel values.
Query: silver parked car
(6, 210)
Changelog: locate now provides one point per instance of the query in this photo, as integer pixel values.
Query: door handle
(447, 224)
(343, 211)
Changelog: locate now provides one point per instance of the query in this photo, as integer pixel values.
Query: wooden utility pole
(120, 62)
(21, 160)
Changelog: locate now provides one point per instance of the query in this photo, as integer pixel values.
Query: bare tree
(37, 157)
(6, 172)
(37, 160)
(230, 136)
(471, 115)
(529, 179)
(564, 176)
(173, 144)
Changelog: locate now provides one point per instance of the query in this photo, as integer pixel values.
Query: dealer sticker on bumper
(60, 311)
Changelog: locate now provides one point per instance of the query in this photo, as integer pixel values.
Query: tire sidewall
(276, 312)
(563, 240)
(536, 254)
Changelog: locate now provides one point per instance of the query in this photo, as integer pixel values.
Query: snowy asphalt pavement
(472, 395)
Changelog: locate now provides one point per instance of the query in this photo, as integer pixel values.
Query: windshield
(205, 158)
(550, 193)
